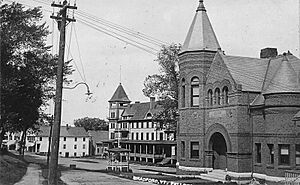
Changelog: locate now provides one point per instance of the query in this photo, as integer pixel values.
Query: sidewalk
(33, 176)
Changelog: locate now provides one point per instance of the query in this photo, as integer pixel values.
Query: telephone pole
(62, 21)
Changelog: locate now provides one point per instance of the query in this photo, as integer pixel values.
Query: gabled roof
(119, 95)
(284, 80)
(138, 111)
(256, 75)
(65, 131)
(98, 135)
(201, 35)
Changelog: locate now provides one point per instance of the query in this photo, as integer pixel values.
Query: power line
(80, 59)
(121, 39)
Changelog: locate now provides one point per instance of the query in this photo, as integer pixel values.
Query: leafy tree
(27, 69)
(91, 123)
(164, 86)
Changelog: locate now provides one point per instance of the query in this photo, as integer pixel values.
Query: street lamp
(54, 144)
(87, 87)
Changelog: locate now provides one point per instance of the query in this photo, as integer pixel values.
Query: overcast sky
(242, 27)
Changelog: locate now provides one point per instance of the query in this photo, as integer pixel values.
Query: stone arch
(226, 83)
(218, 144)
(222, 130)
(193, 74)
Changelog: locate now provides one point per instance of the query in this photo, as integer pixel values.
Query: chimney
(268, 53)
(152, 101)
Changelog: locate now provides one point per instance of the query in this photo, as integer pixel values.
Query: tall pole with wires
(62, 20)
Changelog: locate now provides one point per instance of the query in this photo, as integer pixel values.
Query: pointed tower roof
(285, 79)
(119, 95)
(201, 35)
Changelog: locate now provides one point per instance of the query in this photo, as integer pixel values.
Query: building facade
(136, 129)
(236, 113)
(73, 141)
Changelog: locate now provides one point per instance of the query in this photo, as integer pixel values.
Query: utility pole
(62, 20)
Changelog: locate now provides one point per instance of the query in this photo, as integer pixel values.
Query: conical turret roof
(285, 79)
(119, 95)
(201, 35)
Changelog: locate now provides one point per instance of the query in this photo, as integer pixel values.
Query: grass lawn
(12, 168)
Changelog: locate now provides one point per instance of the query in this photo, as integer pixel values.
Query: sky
(242, 28)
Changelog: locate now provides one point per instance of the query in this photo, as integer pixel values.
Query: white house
(73, 142)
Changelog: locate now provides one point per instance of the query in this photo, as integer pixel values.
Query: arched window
(217, 96)
(183, 93)
(195, 93)
(149, 116)
(210, 97)
(225, 95)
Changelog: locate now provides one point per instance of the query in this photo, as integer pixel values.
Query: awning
(11, 142)
(29, 144)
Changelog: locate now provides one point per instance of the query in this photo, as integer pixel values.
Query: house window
(65, 139)
(182, 149)
(112, 135)
(195, 92)
(41, 139)
(147, 124)
(210, 97)
(137, 136)
(194, 150)
(75, 139)
(161, 136)
(83, 139)
(112, 115)
(183, 93)
(75, 146)
(298, 155)
(142, 124)
(64, 146)
(271, 153)
(258, 152)
(75, 154)
(30, 138)
(142, 136)
(83, 153)
(83, 146)
(147, 136)
(225, 95)
(217, 96)
(132, 136)
(284, 154)
(152, 136)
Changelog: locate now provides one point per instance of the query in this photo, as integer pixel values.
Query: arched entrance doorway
(217, 145)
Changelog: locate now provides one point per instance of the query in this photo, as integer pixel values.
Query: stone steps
(215, 175)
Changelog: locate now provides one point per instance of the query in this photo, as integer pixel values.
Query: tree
(91, 123)
(164, 86)
(28, 70)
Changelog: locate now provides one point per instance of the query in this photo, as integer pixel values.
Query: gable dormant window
(284, 154)
(225, 95)
(183, 93)
(217, 96)
(195, 92)
(210, 97)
